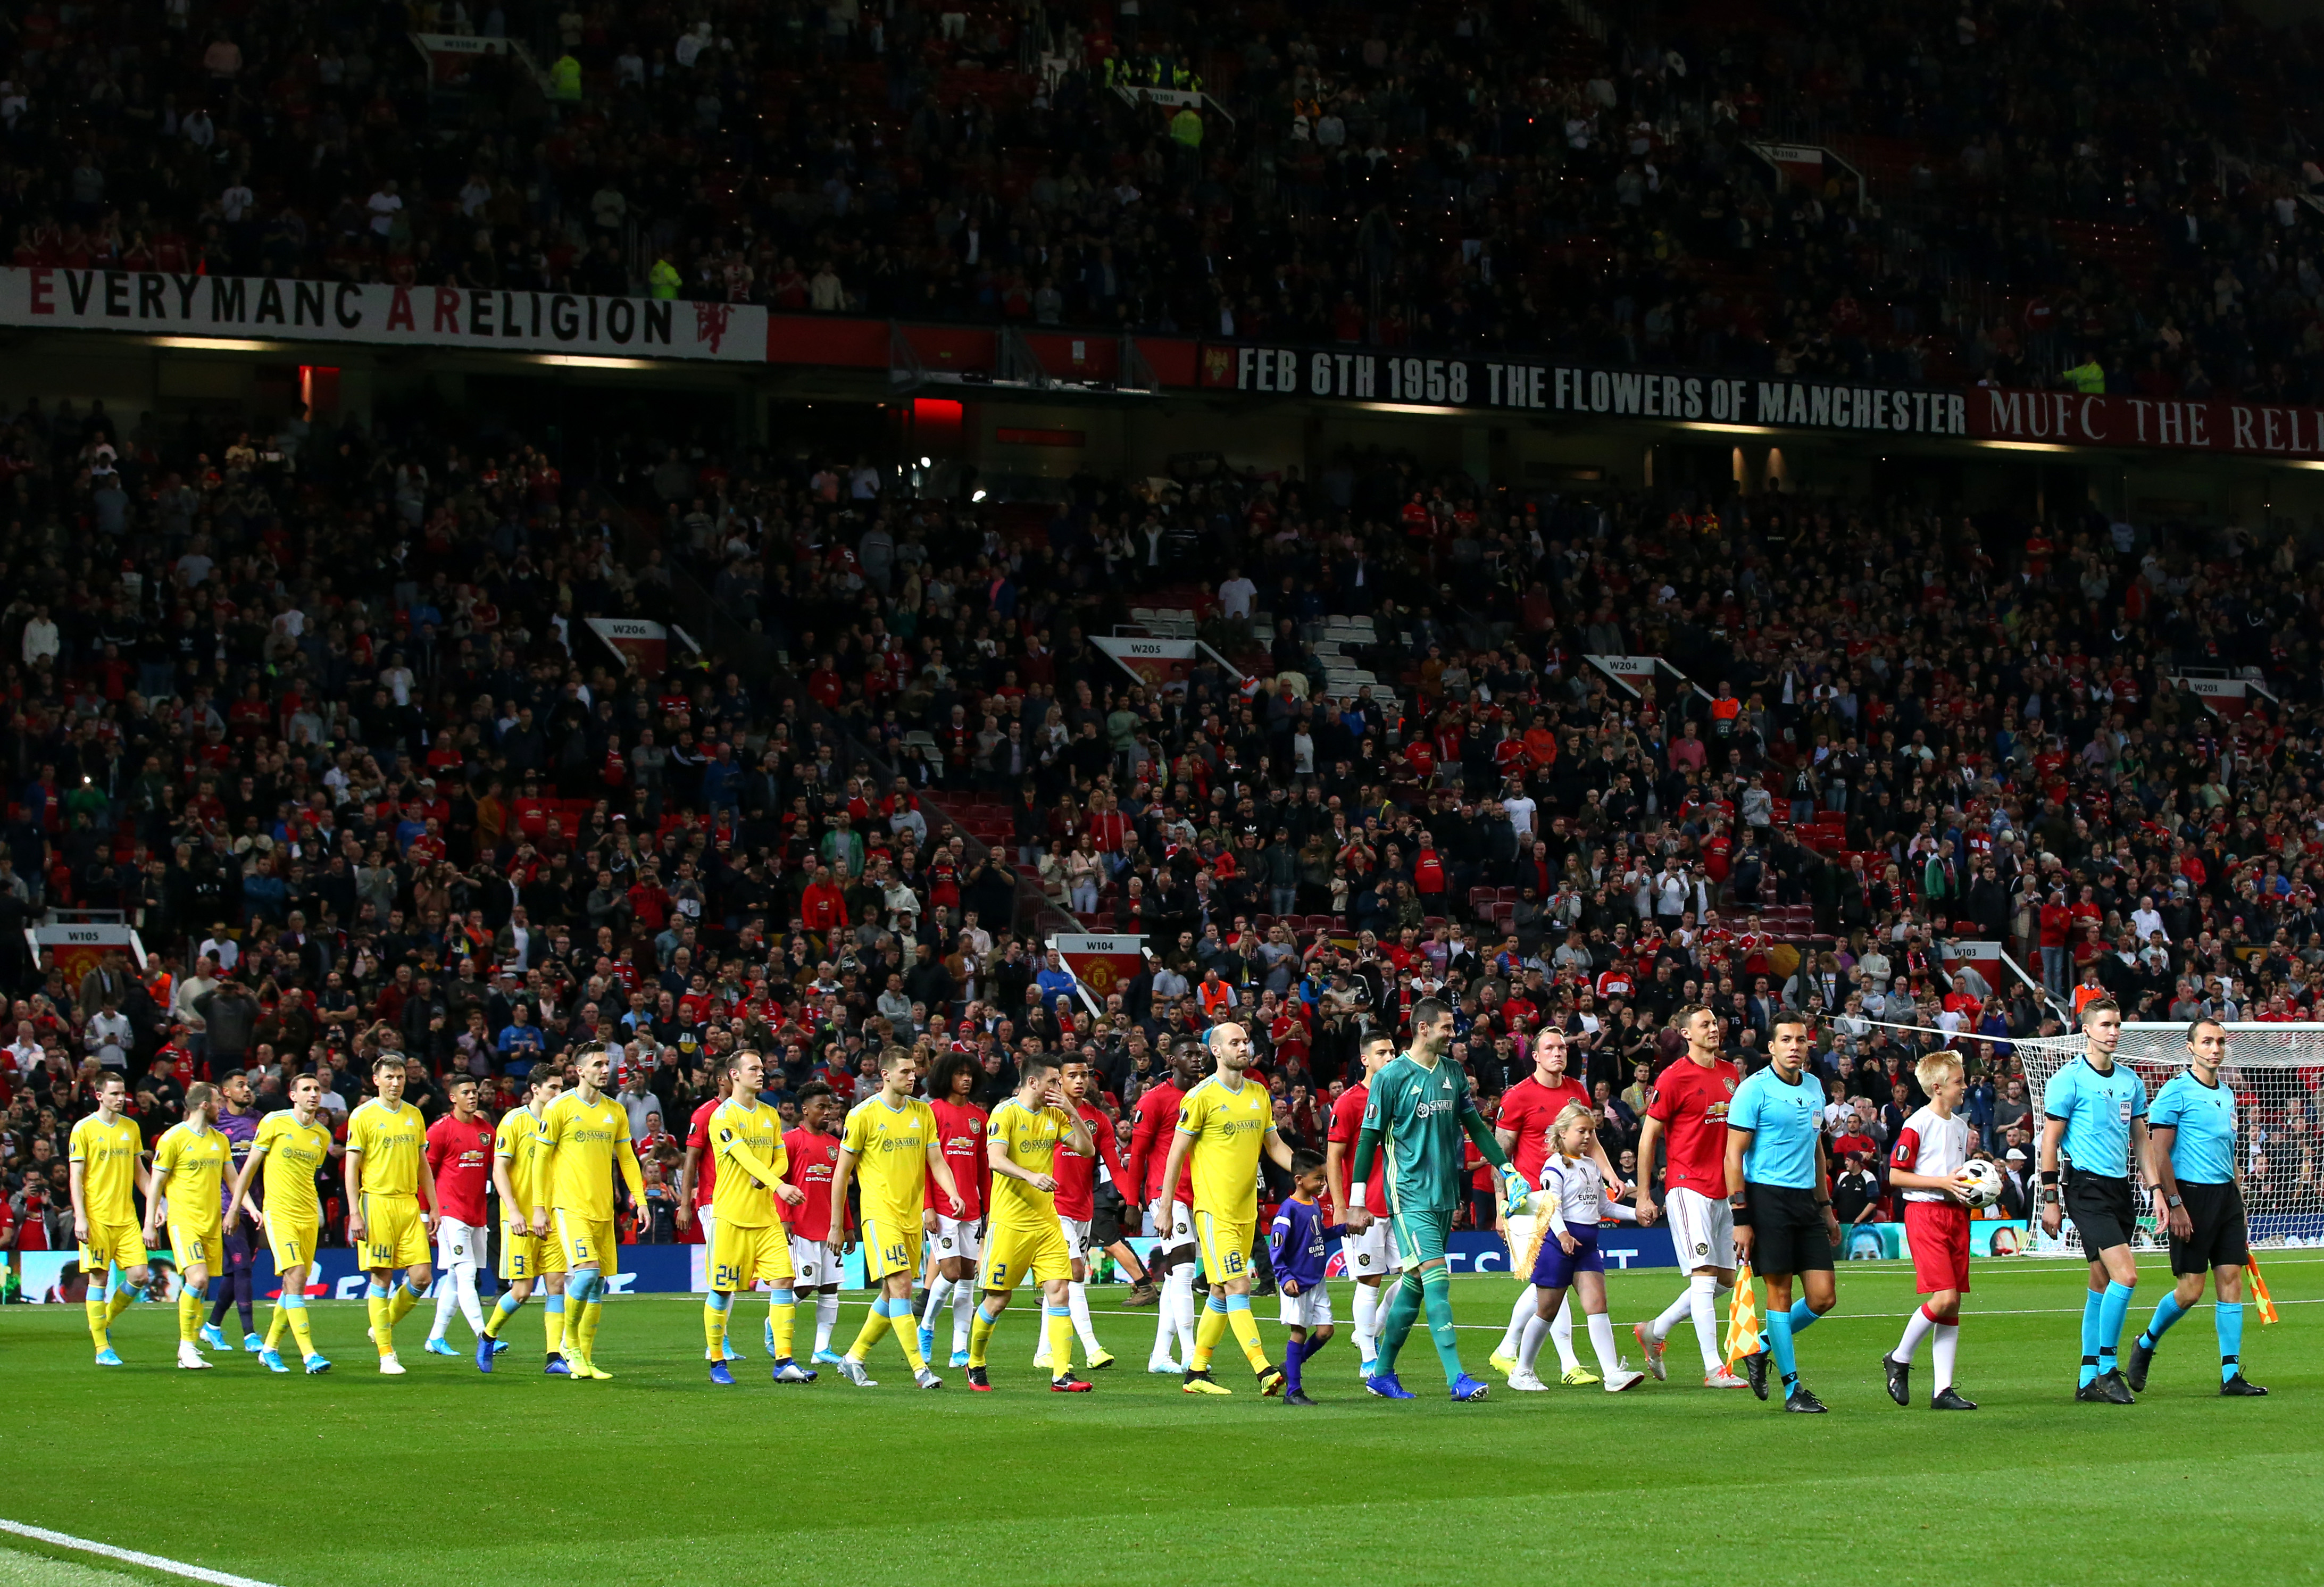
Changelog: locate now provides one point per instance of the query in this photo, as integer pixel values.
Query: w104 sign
(379, 313)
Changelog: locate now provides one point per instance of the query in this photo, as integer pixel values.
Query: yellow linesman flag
(1742, 1318)
(2259, 1289)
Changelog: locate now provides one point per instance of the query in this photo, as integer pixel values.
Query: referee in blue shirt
(2190, 1156)
(2096, 1109)
(1777, 1184)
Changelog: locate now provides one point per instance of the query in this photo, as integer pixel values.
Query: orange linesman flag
(2259, 1289)
(1742, 1318)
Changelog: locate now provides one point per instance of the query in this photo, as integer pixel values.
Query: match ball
(1984, 1183)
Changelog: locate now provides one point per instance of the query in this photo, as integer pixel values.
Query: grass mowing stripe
(151, 1562)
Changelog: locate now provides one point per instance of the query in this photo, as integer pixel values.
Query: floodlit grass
(447, 1476)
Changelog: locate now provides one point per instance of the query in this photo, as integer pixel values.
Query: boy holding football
(1928, 1169)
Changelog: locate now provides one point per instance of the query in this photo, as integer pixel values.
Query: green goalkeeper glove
(1516, 1195)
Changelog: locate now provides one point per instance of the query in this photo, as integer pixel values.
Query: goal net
(2275, 1071)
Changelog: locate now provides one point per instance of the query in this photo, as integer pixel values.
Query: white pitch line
(151, 1562)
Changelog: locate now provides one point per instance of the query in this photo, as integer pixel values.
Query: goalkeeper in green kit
(1418, 1109)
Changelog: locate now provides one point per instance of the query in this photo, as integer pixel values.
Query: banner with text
(1524, 386)
(1101, 963)
(634, 639)
(234, 307)
(2074, 418)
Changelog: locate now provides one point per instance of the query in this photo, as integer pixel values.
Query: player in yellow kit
(748, 1242)
(584, 1136)
(1223, 1124)
(1023, 1236)
(291, 1145)
(891, 1147)
(108, 1172)
(387, 1149)
(189, 1164)
(526, 1258)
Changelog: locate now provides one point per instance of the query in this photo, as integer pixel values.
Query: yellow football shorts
(1226, 1247)
(527, 1255)
(395, 1232)
(292, 1241)
(588, 1242)
(205, 1246)
(740, 1257)
(121, 1244)
(1013, 1255)
(890, 1248)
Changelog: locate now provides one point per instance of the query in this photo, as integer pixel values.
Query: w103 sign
(379, 313)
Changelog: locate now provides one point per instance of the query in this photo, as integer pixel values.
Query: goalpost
(2275, 1071)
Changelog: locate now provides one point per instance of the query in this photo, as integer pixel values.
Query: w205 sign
(379, 313)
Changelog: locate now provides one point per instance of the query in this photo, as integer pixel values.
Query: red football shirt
(460, 1156)
(1347, 1124)
(813, 1158)
(1149, 1144)
(1529, 1108)
(1077, 1175)
(1691, 1103)
(960, 1131)
(697, 1141)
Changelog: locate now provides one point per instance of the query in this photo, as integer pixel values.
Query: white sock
(470, 1307)
(1916, 1329)
(1702, 1293)
(1683, 1306)
(827, 1318)
(939, 1292)
(1077, 1299)
(1366, 1322)
(1561, 1334)
(448, 1296)
(1601, 1340)
(1536, 1329)
(963, 1307)
(1181, 1281)
(1166, 1317)
(1515, 1335)
(1948, 1341)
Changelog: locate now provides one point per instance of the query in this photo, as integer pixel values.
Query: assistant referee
(2190, 1156)
(2096, 1110)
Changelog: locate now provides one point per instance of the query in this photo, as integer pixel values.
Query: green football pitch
(445, 1476)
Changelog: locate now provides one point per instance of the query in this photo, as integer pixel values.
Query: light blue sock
(418, 1292)
(2169, 1312)
(2229, 1321)
(555, 1303)
(2093, 1301)
(1803, 1317)
(1779, 1341)
(378, 1291)
(719, 1301)
(506, 1306)
(2112, 1307)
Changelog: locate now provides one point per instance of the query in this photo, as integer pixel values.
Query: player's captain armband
(1356, 1194)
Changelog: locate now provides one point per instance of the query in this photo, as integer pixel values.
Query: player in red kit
(460, 1157)
(1523, 1127)
(1170, 1217)
(813, 1153)
(956, 1232)
(1689, 1107)
(698, 1178)
(1370, 1255)
(1077, 1199)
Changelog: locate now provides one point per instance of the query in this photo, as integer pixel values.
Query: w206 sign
(1524, 386)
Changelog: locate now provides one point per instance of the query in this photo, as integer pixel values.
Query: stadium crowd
(321, 713)
(2044, 203)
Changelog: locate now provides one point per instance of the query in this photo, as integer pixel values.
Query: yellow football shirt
(1228, 1127)
(188, 1165)
(290, 1154)
(891, 1146)
(737, 1199)
(517, 1138)
(107, 1154)
(1030, 1139)
(393, 1140)
(582, 1142)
